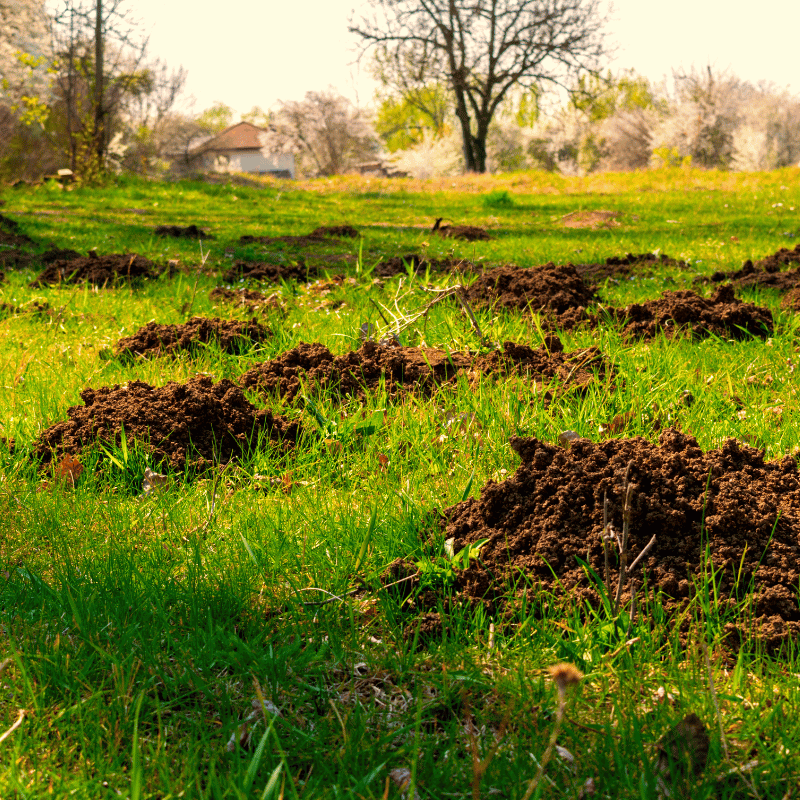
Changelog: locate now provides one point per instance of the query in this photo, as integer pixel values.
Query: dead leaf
(383, 460)
(68, 469)
(152, 481)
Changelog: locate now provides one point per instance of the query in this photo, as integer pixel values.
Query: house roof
(241, 136)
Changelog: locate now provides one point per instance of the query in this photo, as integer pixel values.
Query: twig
(641, 555)
(332, 597)
(17, 723)
(462, 298)
(627, 488)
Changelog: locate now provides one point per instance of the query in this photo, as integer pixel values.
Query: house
(239, 149)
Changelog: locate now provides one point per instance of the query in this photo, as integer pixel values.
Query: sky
(247, 53)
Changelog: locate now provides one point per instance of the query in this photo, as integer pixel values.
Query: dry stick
(462, 297)
(17, 723)
(606, 537)
(627, 488)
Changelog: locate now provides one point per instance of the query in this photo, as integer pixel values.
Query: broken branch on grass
(17, 722)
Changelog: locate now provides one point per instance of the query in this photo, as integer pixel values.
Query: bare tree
(327, 134)
(484, 48)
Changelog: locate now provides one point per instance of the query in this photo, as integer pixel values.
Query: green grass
(136, 633)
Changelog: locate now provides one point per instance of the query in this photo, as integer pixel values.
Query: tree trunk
(99, 133)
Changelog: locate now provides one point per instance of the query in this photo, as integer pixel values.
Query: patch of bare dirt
(590, 219)
(34, 308)
(549, 287)
(468, 233)
(248, 299)
(765, 274)
(679, 313)
(404, 369)
(320, 235)
(196, 424)
(791, 299)
(398, 265)
(17, 258)
(177, 232)
(550, 511)
(267, 271)
(623, 266)
(232, 336)
(98, 270)
(781, 258)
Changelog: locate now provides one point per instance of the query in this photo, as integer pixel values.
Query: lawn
(355, 579)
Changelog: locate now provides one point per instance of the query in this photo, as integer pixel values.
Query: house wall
(238, 161)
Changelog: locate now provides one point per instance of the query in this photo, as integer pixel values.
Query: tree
(327, 134)
(482, 49)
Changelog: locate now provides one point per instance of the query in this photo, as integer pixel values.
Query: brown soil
(780, 259)
(198, 423)
(98, 270)
(17, 258)
(469, 233)
(791, 299)
(681, 312)
(156, 340)
(189, 232)
(622, 266)
(34, 308)
(247, 299)
(265, 271)
(590, 219)
(404, 369)
(397, 265)
(551, 510)
(317, 236)
(553, 288)
(767, 276)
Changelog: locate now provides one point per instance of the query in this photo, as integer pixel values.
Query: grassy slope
(137, 633)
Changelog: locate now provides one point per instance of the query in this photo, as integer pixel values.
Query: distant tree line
(463, 86)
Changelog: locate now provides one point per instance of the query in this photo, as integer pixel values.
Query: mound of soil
(10, 235)
(551, 510)
(680, 312)
(265, 271)
(403, 369)
(247, 299)
(154, 340)
(189, 232)
(768, 276)
(16, 258)
(780, 259)
(396, 265)
(98, 270)
(317, 236)
(198, 423)
(590, 219)
(34, 308)
(622, 266)
(792, 299)
(548, 287)
(468, 233)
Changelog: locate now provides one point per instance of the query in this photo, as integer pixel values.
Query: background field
(139, 633)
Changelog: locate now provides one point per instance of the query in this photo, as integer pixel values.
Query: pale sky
(248, 53)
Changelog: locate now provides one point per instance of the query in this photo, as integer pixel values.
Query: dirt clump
(767, 275)
(248, 299)
(399, 265)
(320, 235)
(677, 313)
(153, 339)
(468, 233)
(549, 287)
(423, 370)
(17, 258)
(194, 424)
(268, 271)
(35, 308)
(10, 235)
(623, 266)
(177, 232)
(791, 299)
(98, 270)
(781, 258)
(550, 511)
(590, 219)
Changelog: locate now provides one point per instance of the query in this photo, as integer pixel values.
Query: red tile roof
(241, 136)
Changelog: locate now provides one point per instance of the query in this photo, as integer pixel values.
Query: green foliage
(403, 123)
(498, 198)
(600, 97)
(216, 118)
